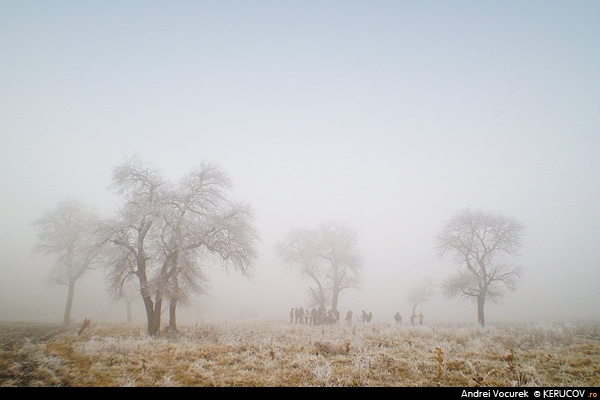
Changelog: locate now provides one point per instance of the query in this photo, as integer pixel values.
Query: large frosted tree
(483, 246)
(131, 231)
(68, 234)
(201, 221)
(164, 234)
(328, 256)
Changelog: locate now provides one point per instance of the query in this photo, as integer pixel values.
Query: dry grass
(280, 354)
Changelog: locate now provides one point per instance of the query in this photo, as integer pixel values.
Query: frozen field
(280, 354)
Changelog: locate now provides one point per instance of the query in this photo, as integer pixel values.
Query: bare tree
(131, 231)
(482, 245)
(200, 221)
(129, 296)
(164, 232)
(69, 234)
(300, 249)
(339, 248)
(420, 294)
(328, 256)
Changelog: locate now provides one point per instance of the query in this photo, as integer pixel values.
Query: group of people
(318, 316)
(366, 317)
(314, 316)
(420, 317)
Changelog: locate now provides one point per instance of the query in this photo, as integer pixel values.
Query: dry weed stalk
(520, 377)
(84, 326)
(440, 359)
(478, 380)
(510, 359)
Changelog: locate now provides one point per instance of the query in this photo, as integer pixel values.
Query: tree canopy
(328, 256)
(69, 234)
(482, 245)
(164, 234)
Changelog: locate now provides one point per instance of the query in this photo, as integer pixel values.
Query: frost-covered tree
(129, 295)
(339, 248)
(200, 221)
(68, 233)
(420, 294)
(164, 233)
(328, 256)
(482, 244)
(300, 249)
(132, 255)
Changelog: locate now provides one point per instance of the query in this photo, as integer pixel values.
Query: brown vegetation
(280, 354)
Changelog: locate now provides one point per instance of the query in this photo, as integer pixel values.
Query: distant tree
(129, 295)
(299, 249)
(482, 245)
(329, 256)
(420, 294)
(68, 233)
(163, 233)
(339, 248)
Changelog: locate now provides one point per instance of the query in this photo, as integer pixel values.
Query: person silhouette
(349, 317)
(398, 317)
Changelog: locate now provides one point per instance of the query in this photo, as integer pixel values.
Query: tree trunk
(152, 316)
(334, 301)
(172, 317)
(480, 313)
(149, 306)
(69, 305)
(128, 305)
(413, 316)
(321, 295)
(154, 327)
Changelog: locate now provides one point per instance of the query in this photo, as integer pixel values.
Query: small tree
(339, 249)
(299, 248)
(68, 233)
(481, 244)
(328, 256)
(130, 295)
(420, 294)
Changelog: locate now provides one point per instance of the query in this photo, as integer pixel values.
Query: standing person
(398, 317)
(330, 317)
(412, 319)
(421, 316)
(349, 317)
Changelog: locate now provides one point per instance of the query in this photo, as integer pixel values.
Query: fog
(389, 116)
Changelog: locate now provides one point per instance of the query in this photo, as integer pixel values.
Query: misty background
(388, 115)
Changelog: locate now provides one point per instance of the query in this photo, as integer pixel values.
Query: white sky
(389, 115)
